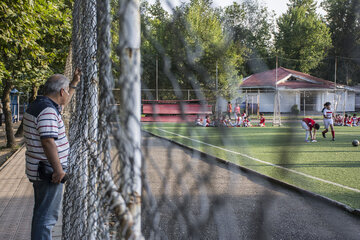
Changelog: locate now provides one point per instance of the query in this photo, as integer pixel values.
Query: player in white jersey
(328, 115)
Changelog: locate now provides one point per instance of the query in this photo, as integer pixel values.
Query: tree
(34, 38)
(343, 20)
(208, 46)
(155, 38)
(251, 25)
(188, 44)
(302, 35)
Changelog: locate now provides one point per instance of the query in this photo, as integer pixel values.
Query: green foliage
(240, 39)
(34, 40)
(207, 46)
(188, 45)
(343, 19)
(295, 109)
(155, 39)
(302, 36)
(252, 25)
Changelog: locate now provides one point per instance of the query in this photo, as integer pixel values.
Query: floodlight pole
(304, 102)
(216, 91)
(157, 78)
(216, 79)
(276, 92)
(335, 103)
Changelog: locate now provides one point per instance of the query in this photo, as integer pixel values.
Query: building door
(308, 101)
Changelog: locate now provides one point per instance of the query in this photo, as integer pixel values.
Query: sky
(279, 6)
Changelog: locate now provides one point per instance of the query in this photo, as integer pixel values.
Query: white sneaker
(314, 140)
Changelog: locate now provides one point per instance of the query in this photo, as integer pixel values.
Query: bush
(295, 109)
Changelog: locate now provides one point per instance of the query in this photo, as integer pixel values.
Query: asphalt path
(192, 197)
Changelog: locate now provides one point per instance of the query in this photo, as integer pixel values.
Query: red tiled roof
(268, 79)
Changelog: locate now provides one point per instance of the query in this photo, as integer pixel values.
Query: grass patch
(338, 161)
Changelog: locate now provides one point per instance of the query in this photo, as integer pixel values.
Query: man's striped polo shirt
(42, 120)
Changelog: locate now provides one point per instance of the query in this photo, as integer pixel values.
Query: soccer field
(331, 169)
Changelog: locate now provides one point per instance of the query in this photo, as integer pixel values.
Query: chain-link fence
(102, 197)
(171, 181)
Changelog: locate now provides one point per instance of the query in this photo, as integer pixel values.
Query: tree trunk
(34, 90)
(10, 138)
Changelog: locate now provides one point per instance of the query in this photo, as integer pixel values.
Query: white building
(309, 93)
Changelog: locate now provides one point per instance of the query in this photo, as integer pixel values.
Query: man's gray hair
(55, 83)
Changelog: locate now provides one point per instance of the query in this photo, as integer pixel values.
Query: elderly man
(46, 143)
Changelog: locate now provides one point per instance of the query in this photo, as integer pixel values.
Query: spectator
(46, 143)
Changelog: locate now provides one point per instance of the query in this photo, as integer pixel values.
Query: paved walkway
(17, 200)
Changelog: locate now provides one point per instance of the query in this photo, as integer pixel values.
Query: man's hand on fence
(76, 78)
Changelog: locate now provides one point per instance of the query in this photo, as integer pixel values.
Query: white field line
(264, 162)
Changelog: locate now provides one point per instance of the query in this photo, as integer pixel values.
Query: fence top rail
(172, 90)
(172, 101)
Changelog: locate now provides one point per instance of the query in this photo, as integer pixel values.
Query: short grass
(338, 162)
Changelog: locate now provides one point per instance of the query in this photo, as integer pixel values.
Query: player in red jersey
(338, 120)
(348, 121)
(198, 121)
(246, 122)
(244, 115)
(308, 124)
(262, 120)
(208, 121)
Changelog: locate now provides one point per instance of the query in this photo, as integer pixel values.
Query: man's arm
(51, 153)
(73, 84)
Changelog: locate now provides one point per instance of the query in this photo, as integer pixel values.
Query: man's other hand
(58, 176)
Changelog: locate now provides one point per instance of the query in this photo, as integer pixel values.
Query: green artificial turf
(338, 161)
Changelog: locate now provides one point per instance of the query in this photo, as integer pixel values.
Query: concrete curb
(12, 157)
(327, 200)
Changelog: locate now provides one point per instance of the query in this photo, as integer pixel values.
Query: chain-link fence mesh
(100, 200)
(128, 184)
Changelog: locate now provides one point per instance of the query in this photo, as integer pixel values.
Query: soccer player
(246, 122)
(238, 120)
(354, 121)
(244, 115)
(308, 124)
(229, 123)
(207, 122)
(237, 111)
(198, 121)
(328, 120)
(223, 122)
(229, 109)
(262, 120)
(338, 120)
(346, 119)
